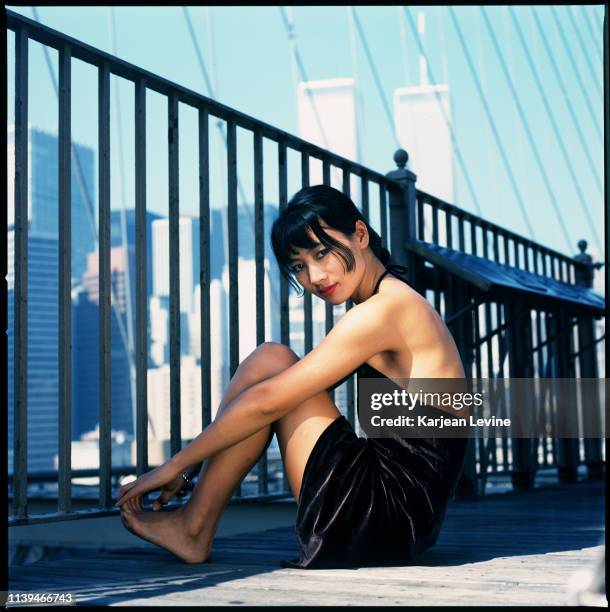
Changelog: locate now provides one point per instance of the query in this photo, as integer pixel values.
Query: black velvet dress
(373, 502)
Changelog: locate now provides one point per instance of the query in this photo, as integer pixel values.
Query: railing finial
(584, 274)
(401, 157)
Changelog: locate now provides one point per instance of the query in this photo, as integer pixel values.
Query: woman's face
(321, 272)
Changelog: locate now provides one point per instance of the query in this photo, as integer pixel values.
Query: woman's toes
(127, 520)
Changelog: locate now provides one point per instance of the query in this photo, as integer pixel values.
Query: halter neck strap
(391, 269)
(379, 282)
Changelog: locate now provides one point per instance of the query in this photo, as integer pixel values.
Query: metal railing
(540, 339)
(491, 241)
(71, 49)
(401, 211)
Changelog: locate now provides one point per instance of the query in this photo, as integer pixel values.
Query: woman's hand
(168, 491)
(158, 478)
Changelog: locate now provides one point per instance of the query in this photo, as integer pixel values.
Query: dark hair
(304, 212)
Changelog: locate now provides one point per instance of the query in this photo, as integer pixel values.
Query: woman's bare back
(429, 349)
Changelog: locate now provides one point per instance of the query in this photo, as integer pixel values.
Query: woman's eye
(296, 268)
(321, 253)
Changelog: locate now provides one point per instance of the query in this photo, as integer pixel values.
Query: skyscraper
(42, 351)
(43, 294)
(328, 112)
(190, 368)
(423, 118)
(86, 330)
(43, 190)
(190, 330)
(86, 349)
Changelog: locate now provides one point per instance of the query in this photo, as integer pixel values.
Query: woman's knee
(265, 361)
(274, 357)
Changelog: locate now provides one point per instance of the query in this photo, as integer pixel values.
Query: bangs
(291, 231)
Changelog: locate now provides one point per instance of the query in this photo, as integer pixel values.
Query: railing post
(174, 273)
(402, 215)
(523, 469)
(21, 297)
(588, 364)
(457, 297)
(568, 453)
(65, 257)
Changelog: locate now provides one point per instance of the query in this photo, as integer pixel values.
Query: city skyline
(43, 384)
(43, 217)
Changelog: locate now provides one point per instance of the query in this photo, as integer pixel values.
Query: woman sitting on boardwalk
(361, 501)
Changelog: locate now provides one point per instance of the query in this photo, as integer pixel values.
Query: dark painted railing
(401, 209)
(521, 332)
(506, 246)
(69, 48)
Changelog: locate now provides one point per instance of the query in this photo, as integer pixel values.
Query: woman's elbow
(267, 409)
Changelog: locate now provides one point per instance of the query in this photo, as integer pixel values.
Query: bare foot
(167, 530)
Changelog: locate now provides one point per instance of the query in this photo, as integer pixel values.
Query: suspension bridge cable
(355, 22)
(200, 61)
(585, 53)
(511, 65)
(403, 46)
(441, 19)
(492, 166)
(289, 26)
(592, 34)
(581, 85)
(446, 119)
(211, 92)
(551, 116)
(354, 57)
(492, 125)
(371, 63)
(297, 66)
(580, 195)
(527, 128)
(441, 27)
(219, 125)
(290, 32)
(221, 175)
(293, 61)
(88, 203)
(566, 98)
(123, 224)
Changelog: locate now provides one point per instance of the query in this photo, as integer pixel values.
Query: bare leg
(188, 532)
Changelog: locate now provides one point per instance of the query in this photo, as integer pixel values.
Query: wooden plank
(326, 586)
(306, 587)
(518, 549)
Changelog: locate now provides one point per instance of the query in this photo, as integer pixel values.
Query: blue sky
(251, 62)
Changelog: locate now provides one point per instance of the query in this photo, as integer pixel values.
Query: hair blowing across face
(307, 208)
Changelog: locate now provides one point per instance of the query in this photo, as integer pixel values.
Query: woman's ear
(362, 234)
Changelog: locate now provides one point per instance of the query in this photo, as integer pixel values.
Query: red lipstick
(326, 292)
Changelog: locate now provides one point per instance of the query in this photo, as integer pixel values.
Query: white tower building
(422, 116)
(327, 113)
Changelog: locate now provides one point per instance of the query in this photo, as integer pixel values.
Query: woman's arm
(362, 332)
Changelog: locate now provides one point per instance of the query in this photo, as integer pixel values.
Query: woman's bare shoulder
(410, 308)
(395, 306)
(400, 294)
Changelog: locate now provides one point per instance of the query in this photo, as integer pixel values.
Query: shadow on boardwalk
(503, 549)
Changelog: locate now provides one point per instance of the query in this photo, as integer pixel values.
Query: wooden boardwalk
(506, 549)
